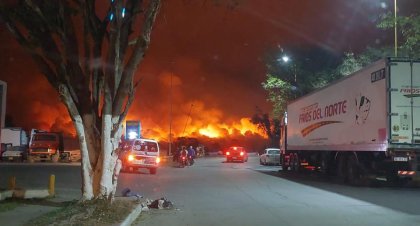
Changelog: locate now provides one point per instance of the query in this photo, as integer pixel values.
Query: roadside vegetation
(94, 212)
(8, 206)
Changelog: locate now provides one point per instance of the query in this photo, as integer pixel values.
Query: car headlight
(130, 158)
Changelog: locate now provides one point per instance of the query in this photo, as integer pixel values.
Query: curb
(132, 216)
(25, 194)
(6, 194)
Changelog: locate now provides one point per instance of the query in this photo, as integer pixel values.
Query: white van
(140, 153)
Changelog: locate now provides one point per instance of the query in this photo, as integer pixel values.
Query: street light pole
(395, 29)
(170, 119)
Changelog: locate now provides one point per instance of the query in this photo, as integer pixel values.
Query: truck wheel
(31, 159)
(341, 168)
(325, 165)
(354, 172)
(284, 164)
(55, 158)
(295, 162)
(153, 171)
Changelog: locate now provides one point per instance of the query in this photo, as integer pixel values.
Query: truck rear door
(404, 89)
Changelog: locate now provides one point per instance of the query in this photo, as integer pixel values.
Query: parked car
(14, 153)
(140, 153)
(271, 156)
(236, 154)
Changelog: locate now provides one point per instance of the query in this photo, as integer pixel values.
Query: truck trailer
(365, 125)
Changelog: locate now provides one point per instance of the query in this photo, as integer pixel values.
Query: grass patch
(96, 212)
(8, 205)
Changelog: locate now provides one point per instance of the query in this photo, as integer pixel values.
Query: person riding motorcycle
(191, 155)
(183, 157)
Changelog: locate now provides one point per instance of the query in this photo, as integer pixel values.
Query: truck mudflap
(406, 173)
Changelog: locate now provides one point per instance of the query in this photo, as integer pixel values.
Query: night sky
(215, 57)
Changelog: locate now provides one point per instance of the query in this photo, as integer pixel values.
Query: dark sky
(214, 55)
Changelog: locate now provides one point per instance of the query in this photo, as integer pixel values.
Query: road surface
(216, 193)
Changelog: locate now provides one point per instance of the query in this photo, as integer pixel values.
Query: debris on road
(161, 203)
(126, 192)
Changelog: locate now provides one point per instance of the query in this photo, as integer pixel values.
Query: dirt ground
(96, 212)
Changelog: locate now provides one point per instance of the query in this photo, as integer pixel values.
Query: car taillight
(242, 153)
(157, 160)
(227, 153)
(183, 157)
(130, 158)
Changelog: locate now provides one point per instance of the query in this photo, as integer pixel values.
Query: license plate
(233, 157)
(10, 158)
(139, 161)
(400, 159)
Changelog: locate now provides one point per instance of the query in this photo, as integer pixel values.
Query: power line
(189, 114)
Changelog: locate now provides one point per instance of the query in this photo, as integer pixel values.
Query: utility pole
(395, 30)
(170, 119)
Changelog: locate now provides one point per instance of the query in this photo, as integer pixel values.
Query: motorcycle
(182, 161)
(190, 160)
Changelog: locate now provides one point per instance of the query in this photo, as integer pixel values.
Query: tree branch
(137, 55)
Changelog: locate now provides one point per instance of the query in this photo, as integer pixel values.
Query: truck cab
(45, 146)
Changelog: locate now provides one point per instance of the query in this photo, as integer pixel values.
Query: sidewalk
(27, 211)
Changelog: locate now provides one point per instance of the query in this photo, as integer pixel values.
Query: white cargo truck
(14, 143)
(366, 125)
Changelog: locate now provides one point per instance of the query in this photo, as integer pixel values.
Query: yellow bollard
(51, 187)
(12, 183)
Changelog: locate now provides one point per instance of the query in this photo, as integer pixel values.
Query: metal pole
(170, 119)
(395, 29)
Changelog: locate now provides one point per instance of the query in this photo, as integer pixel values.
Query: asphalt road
(216, 193)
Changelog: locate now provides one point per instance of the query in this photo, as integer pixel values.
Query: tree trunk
(100, 167)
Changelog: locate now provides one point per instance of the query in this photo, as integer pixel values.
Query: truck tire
(153, 171)
(325, 164)
(284, 163)
(354, 171)
(295, 162)
(341, 169)
(31, 159)
(55, 158)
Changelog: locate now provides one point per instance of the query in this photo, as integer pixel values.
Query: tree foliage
(279, 92)
(270, 126)
(409, 26)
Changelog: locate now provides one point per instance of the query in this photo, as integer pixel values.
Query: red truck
(45, 146)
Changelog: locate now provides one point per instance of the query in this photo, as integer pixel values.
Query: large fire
(242, 128)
